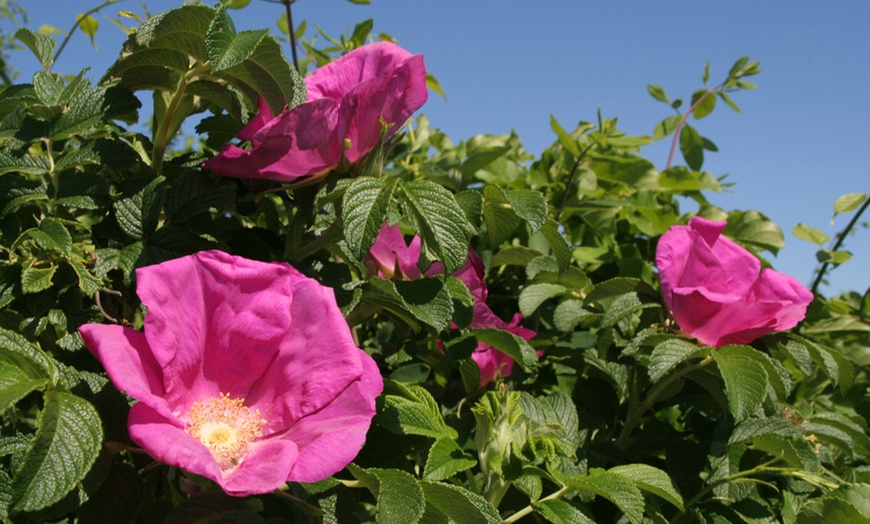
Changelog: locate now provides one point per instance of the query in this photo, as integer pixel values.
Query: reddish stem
(683, 121)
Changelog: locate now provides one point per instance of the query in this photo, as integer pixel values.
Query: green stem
(571, 180)
(163, 134)
(840, 239)
(77, 24)
(332, 233)
(634, 416)
(528, 510)
(683, 121)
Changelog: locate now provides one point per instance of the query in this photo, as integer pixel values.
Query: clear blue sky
(799, 143)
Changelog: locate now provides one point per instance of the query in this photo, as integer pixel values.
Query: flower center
(226, 426)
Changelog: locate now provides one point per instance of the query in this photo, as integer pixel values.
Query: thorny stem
(840, 239)
(528, 510)
(683, 121)
(635, 415)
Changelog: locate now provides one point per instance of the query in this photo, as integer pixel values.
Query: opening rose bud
(717, 291)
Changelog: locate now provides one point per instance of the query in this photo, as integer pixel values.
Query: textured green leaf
(616, 488)
(835, 365)
(623, 307)
(509, 344)
(15, 384)
(399, 494)
(28, 164)
(531, 297)
(137, 214)
(569, 313)
(553, 419)
(606, 292)
(25, 356)
(411, 410)
(88, 283)
(446, 459)
(560, 512)
(439, 221)
(426, 298)
(225, 47)
(53, 236)
(830, 510)
(558, 244)
(67, 441)
(36, 279)
(669, 354)
(515, 256)
(41, 45)
(529, 205)
(652, 480)
(500, 219)
(447, 503)
(797, 452)
(91, 107)
(364, 208)
(746, 380)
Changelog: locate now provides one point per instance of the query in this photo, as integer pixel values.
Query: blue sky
(799, 143)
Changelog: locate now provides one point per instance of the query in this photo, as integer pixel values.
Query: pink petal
(316, 361)
(390, 256)
(337, 78)
(471, 274)
(129, 362)
(300, 142)
(257, 122)
(330, 438)
(491, 361)
(214, 322)
(393, 98)
(264, 469)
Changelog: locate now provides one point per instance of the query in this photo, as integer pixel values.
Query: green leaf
(658, 93)
(565, 139)
(727, 99)
(36, 279)
(606, 292)
(137, 214)
(531, 297)
(558, 244)
(529, 205)
(706, 106)
(666, 126)
(400, 496)
(225, 47)
(652, 480)
(810, 234)
(41, 45)
(669, 354)
(515, 256)
(616, 488)
(92, 107)
(411, 410)
(427, 299)
(439, 221)
(500, 219)
(558, 511)
(89, 26)
(447, 503)
(511, 345)
(569, 313)
(835, 365)
(364, 208)
(833, 257)
(15, 384)
(446, 459)
(681, 179)
(752, 227)
(88, 283)
(28, 358)
(849, 202)
(68, 439)
(624, 306)
(692, 147)
(743, 370)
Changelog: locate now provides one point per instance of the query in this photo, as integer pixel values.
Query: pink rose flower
(718, 292)
(391, 257)
(347, 99)
(246, 373)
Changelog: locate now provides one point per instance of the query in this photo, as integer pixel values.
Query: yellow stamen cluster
(226, 426)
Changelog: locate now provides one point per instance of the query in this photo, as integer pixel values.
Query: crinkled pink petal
(330, 438)
(336, 79)
(211, 309)
(715, 290)
(300, 142)
(391, 257)
(392, 98)
(264, 468)
(259, 121)
(315, 363)
(129, 362)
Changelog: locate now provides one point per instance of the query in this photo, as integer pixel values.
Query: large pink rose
(246, 373)
(347, 100)
(718, 292)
